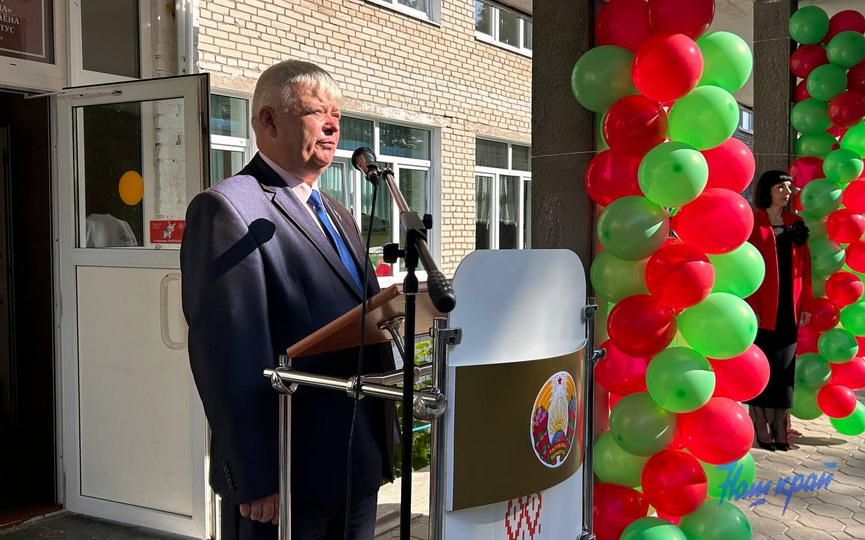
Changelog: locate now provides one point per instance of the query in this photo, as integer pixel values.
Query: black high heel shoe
(770, 446)
(782, 446)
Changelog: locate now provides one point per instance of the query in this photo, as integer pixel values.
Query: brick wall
(391, 66)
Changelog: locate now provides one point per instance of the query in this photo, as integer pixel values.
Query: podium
(511, 401)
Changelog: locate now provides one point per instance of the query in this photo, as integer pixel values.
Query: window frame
(494, 39)
(524, 184)
(232, 144)
(746, 121)
(432, 15)
(30, 75)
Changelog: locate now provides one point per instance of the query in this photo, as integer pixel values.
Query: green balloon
(721, 326)
(713, 521)
(602, 141)
(837, 345)
(842, 166)
(739, 272)
(818, 285)
(846, 49)
(826, 81)
(816, 225)
(743, 470)
(615, 279)
(633, 228)
(805, 404)
(853, 318)
(808, 25)
(640, 427)
(820, 196)
(673, 174)
(614, 465)
(817, 144)
(812, 371)
(652, 528)
(727, 60)
(854, 139)
(853, 424)
(680, 379)
(827, 257)
(810, 116)
(602, 76)
(704, 118)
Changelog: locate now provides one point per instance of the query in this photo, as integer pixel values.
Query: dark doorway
(27, 378)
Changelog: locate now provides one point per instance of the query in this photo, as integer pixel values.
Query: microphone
(363, 159)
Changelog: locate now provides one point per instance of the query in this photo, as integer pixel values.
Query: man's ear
(267, 121)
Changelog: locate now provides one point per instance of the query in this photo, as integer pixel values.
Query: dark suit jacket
(259, 275)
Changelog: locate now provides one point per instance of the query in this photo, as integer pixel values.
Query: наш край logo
(554, 419)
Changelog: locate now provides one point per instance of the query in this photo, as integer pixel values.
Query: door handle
(163, 313)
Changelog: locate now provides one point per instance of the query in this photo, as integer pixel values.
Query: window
(746, 121)
(407, 150)
(502, 27)
(112, 41)
(230, 140)
(503, 195)
(428, 10)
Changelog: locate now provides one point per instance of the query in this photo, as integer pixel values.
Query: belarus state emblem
(554, 419)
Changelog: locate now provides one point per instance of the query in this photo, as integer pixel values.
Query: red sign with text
(166, 231)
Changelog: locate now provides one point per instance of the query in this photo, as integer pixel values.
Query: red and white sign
(167, 231)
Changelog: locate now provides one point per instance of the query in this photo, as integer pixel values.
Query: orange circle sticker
(131, 188)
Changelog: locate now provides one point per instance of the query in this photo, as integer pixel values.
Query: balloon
(835, 400)
(826, 81)
(845, 226)
(801, 91)
(610, 176)
(854, 424)
(713, 521)
(679, 276)
(727, 61)
(697, 223)
(717, 433)
(817, 144)
(624, 23)
(818, 284)
(652, 528)
(745, 468)
(855, 256)
(846, 109)
(810, 116)
(673, 174)
(641, 427)
(805, 404)
(614, 465)
(641, 326)
(614, 279)
(721, 326)
(634, 125)
(854, 139)
(837, 345)
(731, 165)
(842, 21)
(850, 374)
(680, 379)
(821, 196)
(704, 118)
(599, 137)
(824, 314)
(621, 373)
(612, 400)
(842, 166)
(846, 49)
(808, 25)
(614, 507)
(667, 67)
(807, 340)
(602, 76)
(844, 288)
(674, 482)
(853, 319)
(816, 224)
(805, 169)
(632, 228)
(806, 58)
(827, 257)
(812, 371)
(689, 17)
(856, 78)
(741, 377)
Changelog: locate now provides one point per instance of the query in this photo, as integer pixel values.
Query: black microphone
(363, 159)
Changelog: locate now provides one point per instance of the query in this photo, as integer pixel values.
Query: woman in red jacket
(780, 236)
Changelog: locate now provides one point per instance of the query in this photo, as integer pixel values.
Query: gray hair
(278, 85)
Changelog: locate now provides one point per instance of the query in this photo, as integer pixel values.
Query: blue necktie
(341, 248)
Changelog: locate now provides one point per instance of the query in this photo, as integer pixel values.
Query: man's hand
(263, 510)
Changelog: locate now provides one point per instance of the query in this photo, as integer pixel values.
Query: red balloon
(667, 67)
(797, 202)
(824, 315)
(837, 132)
(741, 377)
(674, 482)
(677, 443)
(806, 341)
(621, 373)
(611, 175)
(624, 23)
(716, 222)
(861, 341)
(844, 288)
(614, 507)
(856, 77)
(718, 432)
(689, 17)
(845, 226)
(847, 109)
(843, 21)
(854, 196)
(641, 326)
(805, 169)
(675, 520)
(634, 125)
(856, 256)
(836, 401)
(850, 374)
(679, 276)
(731, 165)
(806, 58)
(800, 93)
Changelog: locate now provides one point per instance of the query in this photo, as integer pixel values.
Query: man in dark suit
(267, 260)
